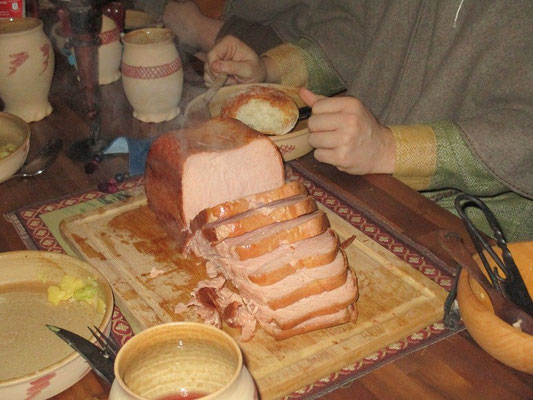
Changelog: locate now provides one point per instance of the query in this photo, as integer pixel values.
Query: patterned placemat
(38, 227)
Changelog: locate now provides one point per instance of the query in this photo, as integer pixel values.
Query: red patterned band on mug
(158, 71)
(109, 36)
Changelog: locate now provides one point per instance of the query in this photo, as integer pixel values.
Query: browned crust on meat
(280, 334)
(313, 227)
(258, 220)
(232, 208)
(271, 277)
(166, 160)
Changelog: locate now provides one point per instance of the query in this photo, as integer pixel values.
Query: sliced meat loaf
(269, 238)
(347, 314)
(278, 211)
(286, 260)
(231, 208)
(194, 169)
(303, 283)
(324, 303)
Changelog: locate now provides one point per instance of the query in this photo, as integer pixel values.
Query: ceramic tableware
(181, 360)
(152, 74)
(26, 68)
(292, 145)
(35, 364)
(14, 134)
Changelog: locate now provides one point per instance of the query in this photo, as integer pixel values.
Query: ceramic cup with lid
(181, 360)
(26, 68)
(152, 74)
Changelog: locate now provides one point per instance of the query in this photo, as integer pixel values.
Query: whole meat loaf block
(193, 169)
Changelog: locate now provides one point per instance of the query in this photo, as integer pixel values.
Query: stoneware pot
(184, 359)
(26, 68)
(152, 74)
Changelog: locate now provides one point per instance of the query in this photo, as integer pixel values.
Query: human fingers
(309, 97)
(324, 140)
(324, 122)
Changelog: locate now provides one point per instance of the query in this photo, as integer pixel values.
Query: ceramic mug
(152, 75)
(109, 51)
(26, 68)
(181, 360)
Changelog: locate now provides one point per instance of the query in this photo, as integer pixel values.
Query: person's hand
(345, 134)
(237, 60)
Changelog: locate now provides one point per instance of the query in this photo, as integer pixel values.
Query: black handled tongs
(510, 285)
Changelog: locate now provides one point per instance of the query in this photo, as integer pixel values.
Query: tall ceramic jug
(109, 52)
(26, 68)
(152, 74)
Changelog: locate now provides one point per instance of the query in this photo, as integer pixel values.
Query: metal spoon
(37, 165)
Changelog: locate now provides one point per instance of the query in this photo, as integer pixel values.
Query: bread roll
(267, 110)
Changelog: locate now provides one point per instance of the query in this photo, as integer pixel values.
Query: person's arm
(435, 156)
(303, 64)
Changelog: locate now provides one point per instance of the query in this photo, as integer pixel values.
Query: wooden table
(455, 368)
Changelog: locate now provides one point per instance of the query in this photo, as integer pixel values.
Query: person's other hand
(345, 134)
(237, 60)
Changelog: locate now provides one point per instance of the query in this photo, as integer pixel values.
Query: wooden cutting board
(125, 242)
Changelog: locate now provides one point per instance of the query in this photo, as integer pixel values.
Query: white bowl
(292, 145)
(47, 365)
(13, 130)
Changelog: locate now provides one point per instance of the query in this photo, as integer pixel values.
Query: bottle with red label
(12, 8)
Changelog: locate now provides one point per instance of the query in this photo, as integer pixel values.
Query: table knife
(98, 359)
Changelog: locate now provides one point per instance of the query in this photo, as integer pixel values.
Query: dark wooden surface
(455, 368)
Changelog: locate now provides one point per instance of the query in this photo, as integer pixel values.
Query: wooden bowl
(39, 364)
(504, 342)
(13, 130)
(292, 145)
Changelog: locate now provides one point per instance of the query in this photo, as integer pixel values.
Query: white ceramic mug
(181, 360)
(152, 74)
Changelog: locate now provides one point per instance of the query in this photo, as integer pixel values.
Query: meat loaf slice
(196, 168)
(269, 238)
(286, 260)
(308, 253)
(309, 307)
(303, 283)
(231, 208)
(278, 211)
(319, 322)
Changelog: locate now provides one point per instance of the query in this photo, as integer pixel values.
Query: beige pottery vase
(26, 68)
(109, 52)
(152, 74)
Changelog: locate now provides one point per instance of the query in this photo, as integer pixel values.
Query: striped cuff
(291, 63)
(416, 154)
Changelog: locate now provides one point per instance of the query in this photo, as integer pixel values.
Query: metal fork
(107, 343)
